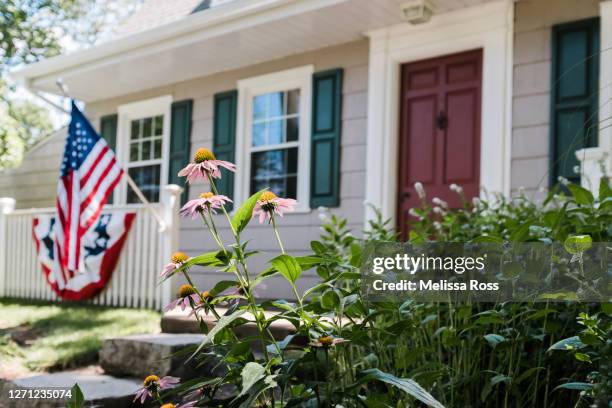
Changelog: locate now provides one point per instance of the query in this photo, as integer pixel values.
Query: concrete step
(178, 321)
(144, 354)
(99, 390)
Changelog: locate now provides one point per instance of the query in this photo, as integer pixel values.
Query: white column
(7, 205)
(170, 202)
(597, 161)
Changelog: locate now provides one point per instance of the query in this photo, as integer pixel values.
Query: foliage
(348, 352)
(63, 335)
(31, 30)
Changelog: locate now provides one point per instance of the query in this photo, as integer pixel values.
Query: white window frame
(296, 78)
(138, 110)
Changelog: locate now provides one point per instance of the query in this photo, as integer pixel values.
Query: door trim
(487, 26)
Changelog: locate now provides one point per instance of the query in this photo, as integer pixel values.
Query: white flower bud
(456, 188)
(420, 190)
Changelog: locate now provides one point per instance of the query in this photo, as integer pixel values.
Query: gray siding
(33, 183)
(297, 230)
(531, 103)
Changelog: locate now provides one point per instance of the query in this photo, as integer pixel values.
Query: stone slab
(144, 354)
(99, 390)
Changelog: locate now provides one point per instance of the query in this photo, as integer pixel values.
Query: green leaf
(223, 322)
(330, 299)
(583, 357)
(520, 234)
(577, 244)
(407, 385)
(499, 379)
(494, 339)
(581, 195)
(571, 343)
(288, 266)
(77, 400)
(605, 191)
(251, 373)
(244, 214)
(580, 386)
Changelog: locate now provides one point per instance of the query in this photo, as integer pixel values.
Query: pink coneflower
(186, 295)
(327, 341)
(178, 259)
(269, 204)
(205, 163)
(206, 203)
(152, 385)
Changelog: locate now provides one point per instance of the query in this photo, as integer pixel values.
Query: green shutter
(180, 143)
(108, 130)
(325, 142)
(224, 137)
(574, 94)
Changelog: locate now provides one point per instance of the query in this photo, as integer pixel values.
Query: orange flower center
(206, 295)
(206, 195)
(150, 380)
(169, 405)
(203, 154)
(267, 196)
(186, 290)
(179, 257)
(326, 340)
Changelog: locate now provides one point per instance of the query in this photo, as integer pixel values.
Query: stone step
(144, 354)
(178, 321)
(99, 390)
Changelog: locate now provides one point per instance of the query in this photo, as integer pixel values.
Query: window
(144, 164)
(274, 129)
(143, 142)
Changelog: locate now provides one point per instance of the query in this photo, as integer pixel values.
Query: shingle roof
(153, 13)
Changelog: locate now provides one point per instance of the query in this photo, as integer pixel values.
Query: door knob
(442, 120)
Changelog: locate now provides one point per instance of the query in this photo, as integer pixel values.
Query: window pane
(293, 102)
(276, 169)
(159, 125)
(259, 134)
(147, 127)
(146, 150)
(134, 151)
(158, 147)
(293, 129)
(135, 133)
(147, 179)
(275, 132)
(259, 107)
(275, 104)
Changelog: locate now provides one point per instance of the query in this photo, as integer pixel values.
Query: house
(338, 103)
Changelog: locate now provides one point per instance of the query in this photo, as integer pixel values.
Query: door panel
(440, 114)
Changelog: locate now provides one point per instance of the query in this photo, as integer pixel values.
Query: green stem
(278, 239)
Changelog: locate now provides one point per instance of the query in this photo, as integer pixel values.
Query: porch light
(417, 11)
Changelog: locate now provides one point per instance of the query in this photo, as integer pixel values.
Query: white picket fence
(134, 282)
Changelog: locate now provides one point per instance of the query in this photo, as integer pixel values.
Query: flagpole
(130, 181)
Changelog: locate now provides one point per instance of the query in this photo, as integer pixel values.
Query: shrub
(347, 352)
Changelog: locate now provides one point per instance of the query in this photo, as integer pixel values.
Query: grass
(37, 336)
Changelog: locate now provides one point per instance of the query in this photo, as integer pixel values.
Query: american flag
(88, 175)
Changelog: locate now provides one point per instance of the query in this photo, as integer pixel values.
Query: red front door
(439, 129)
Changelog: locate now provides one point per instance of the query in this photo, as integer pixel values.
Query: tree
(31, 30)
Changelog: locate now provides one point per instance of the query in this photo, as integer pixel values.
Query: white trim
(486, 26)
(592, 159)
(136, 110)
(279, 81)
